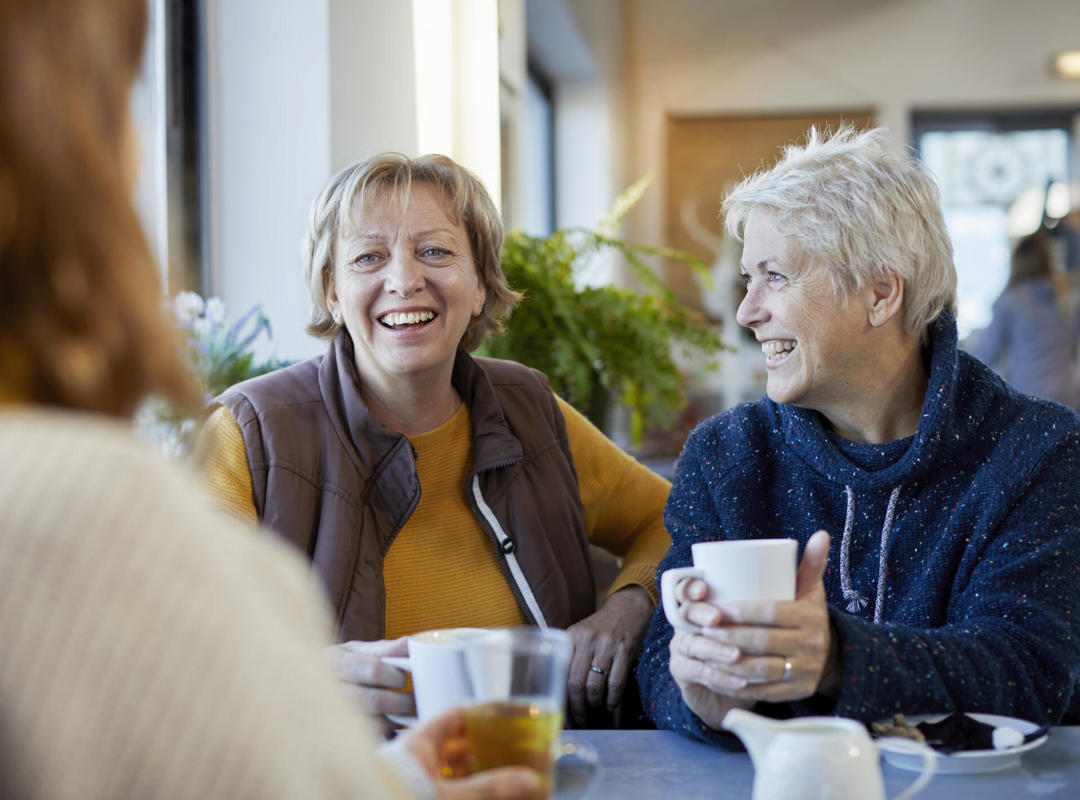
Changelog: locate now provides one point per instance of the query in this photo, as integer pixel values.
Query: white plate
(965, 762)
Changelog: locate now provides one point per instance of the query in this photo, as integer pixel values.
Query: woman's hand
(608, 640)
(374, 685)
(752, 651)
(440, 745)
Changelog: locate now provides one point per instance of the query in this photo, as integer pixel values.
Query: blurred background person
(151, 646)
(432, 489)
(1032, 337)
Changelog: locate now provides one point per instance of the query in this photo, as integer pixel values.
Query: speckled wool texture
(981, 597)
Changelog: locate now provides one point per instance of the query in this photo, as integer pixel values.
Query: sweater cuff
(400, 760)
(680, 719)
(696, 729)
(643, 575)
(858, 674)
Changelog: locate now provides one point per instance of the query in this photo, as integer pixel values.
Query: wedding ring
(787, 672)
(597, 670)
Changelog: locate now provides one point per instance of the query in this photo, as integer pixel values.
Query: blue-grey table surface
(661, 764)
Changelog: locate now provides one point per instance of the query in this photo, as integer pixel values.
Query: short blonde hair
(862, 211)
(388, 178)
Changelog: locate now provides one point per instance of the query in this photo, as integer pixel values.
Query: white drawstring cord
(856, 601)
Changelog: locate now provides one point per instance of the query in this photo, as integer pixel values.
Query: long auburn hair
(81, 312)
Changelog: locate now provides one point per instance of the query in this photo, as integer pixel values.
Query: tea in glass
(516, 682)
(515, 732)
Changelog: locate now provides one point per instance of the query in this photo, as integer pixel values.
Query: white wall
(587, 141)
(579, 45)
(296, 90)
(372, 79)
(148, 115)
(269, 127)
(520, 170)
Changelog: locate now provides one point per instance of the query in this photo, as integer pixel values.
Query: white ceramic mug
(741, 569)
(435, 663)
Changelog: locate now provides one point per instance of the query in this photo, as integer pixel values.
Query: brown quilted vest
(332, 481)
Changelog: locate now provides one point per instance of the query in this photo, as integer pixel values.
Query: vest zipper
(505, 546)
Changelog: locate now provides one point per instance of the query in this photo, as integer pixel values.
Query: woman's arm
(222, 459)
(690, 517)
(374, 685)
(623, 500)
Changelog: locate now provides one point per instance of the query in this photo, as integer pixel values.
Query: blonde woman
(429, 488)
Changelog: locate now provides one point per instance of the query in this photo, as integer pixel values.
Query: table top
(661, 764)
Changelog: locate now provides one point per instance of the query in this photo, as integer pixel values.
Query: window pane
(536, 167)
(993, 189)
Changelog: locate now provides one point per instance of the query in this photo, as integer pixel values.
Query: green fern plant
(600, 343)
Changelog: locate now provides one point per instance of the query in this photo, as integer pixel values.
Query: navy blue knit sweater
(975, 575)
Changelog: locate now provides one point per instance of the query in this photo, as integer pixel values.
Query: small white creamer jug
(817, 758)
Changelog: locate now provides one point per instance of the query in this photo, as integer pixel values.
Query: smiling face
(815, 345)
(405, 286)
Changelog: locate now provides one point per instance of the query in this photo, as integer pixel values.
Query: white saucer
(402, 720)
(966, 762)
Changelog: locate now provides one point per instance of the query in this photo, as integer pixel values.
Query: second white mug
(435, 663)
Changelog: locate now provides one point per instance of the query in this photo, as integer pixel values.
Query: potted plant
(218, 356)
(600, 343)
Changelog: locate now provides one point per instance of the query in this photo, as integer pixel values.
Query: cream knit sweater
(151, 646)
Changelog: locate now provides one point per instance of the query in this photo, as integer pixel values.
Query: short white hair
(861, 210)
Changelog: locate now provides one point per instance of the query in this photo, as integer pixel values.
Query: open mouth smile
(407, 319)
(776, 350)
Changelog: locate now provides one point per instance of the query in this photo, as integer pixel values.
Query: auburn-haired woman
(151, 646)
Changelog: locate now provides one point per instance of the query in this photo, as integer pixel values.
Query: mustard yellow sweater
(442, 549)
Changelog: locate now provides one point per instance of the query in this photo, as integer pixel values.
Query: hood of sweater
(866, 467)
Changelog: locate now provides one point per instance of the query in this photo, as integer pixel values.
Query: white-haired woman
(952, 581)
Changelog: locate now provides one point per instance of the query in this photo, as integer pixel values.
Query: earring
(337, 318)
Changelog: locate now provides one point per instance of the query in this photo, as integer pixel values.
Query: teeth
(410, 318)
(774, 348)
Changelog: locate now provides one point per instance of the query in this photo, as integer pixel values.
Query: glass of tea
(516, 687)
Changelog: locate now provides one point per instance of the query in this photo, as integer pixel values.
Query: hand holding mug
(743, 569)
(753, 650)
(374, 684)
